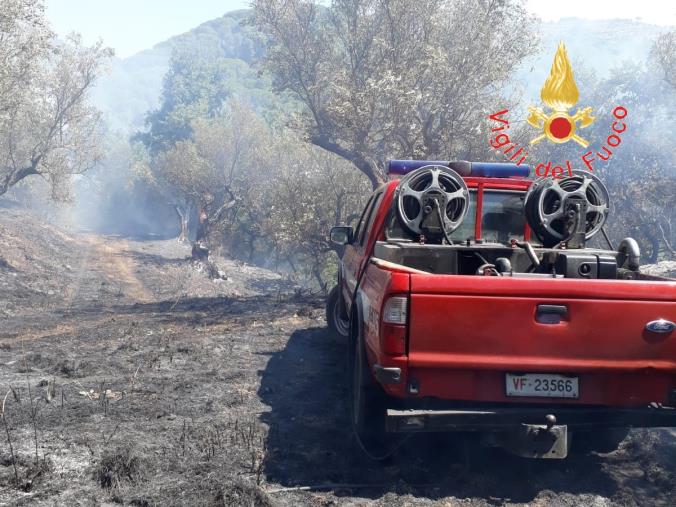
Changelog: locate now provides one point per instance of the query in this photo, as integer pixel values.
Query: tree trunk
(184, 230)
(318, 276)
(200, 250)
(371, 172)
(184, 220)
(14, 176)
(666, 241)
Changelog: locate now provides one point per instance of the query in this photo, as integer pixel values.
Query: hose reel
(432, 201)
(570, 210)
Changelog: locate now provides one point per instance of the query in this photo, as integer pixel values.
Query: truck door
(354, 257)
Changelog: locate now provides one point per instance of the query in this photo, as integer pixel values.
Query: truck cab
(471, 300)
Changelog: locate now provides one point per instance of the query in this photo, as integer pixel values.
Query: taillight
(395, 310)
(393, 326)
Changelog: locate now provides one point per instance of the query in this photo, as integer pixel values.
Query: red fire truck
(476, 299)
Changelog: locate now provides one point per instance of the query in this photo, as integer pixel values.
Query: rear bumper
(629, 389)
(472, 418)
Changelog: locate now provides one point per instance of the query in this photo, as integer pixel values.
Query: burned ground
(152, 385)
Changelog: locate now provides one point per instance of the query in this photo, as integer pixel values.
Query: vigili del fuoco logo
(560, 93)
(555, 123)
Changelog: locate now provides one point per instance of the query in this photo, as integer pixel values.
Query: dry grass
(118, 466)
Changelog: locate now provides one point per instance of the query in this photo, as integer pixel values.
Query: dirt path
(112, 257)
(107, 261)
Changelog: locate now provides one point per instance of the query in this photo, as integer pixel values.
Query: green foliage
(202, 75)
(264, 195)
(311, 190)
(230, 36)
(641, 176)
(193, 88)
(368, 87)
(383, 79)
(134, 84)
(664, 54)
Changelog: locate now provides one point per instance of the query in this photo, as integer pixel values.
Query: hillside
(134, 84)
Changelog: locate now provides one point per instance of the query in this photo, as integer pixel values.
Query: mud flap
(536, 441)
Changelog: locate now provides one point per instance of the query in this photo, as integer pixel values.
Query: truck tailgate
(489, 323)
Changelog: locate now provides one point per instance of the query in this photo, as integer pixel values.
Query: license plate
(543, 385)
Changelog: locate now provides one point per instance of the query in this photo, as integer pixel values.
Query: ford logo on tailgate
(660, 326)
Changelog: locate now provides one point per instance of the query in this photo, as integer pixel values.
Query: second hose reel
(572, 209)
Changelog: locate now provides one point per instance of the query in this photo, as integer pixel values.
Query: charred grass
(232, 393)
(143, 409)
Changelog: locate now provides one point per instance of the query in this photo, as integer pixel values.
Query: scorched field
(131, 377)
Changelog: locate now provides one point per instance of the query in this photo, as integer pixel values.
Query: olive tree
(312, 190)
(394, 78)
(262, 194)
(215, 171)
(47, 125)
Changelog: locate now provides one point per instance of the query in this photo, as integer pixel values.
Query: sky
(657, 12)
(130, 26)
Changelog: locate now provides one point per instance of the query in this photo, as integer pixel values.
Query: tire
(338, 324)
(367, 400)
(602, 441)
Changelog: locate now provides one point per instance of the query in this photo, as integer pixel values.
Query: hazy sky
(658, 12)
(130, 26)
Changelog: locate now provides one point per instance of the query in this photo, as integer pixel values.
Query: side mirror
(341, 234)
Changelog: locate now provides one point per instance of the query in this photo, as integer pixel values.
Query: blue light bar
(479, 169)
(402, 167)
(499, 170)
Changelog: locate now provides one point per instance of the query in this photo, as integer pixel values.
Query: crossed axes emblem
(559, 126)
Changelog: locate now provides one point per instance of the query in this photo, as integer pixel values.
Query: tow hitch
(516, 429)
(547, 440)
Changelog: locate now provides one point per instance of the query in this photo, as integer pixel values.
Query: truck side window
(364, 216)
(371, 218)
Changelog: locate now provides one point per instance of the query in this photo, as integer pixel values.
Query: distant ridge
(134, 84)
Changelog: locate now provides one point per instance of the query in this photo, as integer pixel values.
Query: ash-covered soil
(663, 268)
(137, 380)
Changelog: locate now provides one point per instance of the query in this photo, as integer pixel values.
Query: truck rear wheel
(339, 325)
(366, 399)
